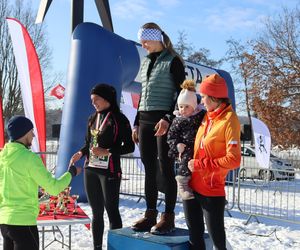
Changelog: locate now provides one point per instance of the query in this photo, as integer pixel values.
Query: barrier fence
(269, 197)
(256, 192)
(133, 177)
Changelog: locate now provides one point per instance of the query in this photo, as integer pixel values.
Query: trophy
(94, 143)
(75, 198)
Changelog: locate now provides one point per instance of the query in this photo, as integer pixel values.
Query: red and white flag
(31, 82)
(2, 139)
(58, 91)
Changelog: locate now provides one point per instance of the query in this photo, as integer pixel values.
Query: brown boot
(184, 191)
(166, 224)
(146, 223)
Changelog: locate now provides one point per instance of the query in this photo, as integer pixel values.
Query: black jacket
(184, 130)
(115, 136)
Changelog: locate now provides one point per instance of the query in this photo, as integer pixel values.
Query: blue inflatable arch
(100, 56)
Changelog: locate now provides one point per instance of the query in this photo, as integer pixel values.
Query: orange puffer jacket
(220, 153)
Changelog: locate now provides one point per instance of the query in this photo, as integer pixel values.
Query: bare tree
(187, 51)
(238, 56)
(9, 85)
(183, 47)
(274, 63)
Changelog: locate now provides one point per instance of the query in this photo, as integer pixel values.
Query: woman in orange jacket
(216, 151)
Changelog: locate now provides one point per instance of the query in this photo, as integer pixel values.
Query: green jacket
(158, 90)
(21, 173)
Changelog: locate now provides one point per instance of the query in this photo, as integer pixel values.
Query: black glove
(72, 170)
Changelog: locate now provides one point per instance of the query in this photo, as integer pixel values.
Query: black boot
(147, 222)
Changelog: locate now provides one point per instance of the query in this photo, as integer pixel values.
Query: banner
(2, 138)
(58, 91)
(30, 77)
(129, 110)
(262, 140)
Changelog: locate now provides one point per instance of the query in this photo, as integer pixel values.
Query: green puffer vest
(158, 91)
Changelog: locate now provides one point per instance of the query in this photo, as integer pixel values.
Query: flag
(30, 77)
(131, 99)
(2, 139)
(58, 91)
(262, 139)
(135, 100)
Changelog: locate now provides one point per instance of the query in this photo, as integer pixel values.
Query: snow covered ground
(265, 235)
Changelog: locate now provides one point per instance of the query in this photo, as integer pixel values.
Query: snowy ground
(265, 235)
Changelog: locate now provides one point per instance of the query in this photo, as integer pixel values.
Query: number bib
(99, 162)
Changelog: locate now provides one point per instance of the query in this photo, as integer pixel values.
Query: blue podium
(127, 239)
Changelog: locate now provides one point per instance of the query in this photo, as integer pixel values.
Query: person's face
(28, 138)
(99, 103)
(208, 102)
(185, 110)
(152, 46)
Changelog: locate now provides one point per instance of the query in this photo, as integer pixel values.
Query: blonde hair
(166, 40)
(189, 85)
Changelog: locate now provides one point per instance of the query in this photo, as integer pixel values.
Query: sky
(207, 24)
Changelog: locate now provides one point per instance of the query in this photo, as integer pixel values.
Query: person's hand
(180, 147)
(73, 170)
(75, 157)
(78, 170)
(98, 151)
(191, 165)
(135, 134)
(161, 127)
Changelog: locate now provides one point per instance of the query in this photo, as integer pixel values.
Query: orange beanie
(215, 86)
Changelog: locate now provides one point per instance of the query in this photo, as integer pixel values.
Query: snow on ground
(265, 235)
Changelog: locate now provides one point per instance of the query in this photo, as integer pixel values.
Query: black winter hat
(105, 91)
(18, 126)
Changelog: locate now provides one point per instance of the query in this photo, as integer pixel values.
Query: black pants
(153, 148)
(20, 237)
(212, 208)
(102, 191)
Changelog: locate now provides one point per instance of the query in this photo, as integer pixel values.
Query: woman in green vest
(162, 72)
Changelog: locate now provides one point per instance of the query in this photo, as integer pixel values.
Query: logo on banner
(261, 144)
(58, 91)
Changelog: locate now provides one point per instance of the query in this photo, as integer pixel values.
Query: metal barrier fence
(133, 181)
(267, 196)
(260, 193)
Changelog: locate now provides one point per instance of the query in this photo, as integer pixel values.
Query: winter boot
(184, 190)
(166, 224)
(147, 222)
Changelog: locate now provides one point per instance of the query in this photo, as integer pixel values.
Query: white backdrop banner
(262, 140)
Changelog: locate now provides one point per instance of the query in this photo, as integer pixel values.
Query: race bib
(99, 162)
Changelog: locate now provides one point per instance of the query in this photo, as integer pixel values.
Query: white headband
(150, 34)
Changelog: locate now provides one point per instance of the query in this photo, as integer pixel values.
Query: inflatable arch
(98, 55)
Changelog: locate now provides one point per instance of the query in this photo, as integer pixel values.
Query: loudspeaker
(55, 130)
(246, 133)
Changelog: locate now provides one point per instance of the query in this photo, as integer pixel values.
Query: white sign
(262, 139)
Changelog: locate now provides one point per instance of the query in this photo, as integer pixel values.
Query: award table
(53, 214)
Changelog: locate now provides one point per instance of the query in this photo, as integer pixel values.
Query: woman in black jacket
(108, 136)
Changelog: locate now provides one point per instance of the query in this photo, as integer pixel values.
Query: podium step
(127, 239)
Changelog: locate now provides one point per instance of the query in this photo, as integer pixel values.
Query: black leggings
(20, 237)
(102, 191)
(153, 148)
(212, 208)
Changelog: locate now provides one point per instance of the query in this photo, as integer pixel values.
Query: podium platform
(127, 239)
